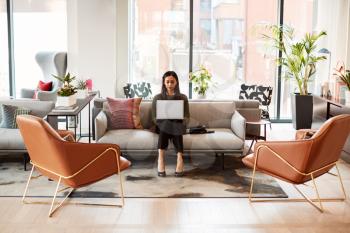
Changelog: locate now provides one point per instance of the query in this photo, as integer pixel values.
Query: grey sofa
(11, 140)
(224, 117)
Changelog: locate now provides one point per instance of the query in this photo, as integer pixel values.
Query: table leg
(89, 124)
(75, 127)
(328, 110)
(79, 123)
(250, 147)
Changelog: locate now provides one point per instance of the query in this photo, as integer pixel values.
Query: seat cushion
(11, 139)
(131, 139)
(136, 139)
(221, 139)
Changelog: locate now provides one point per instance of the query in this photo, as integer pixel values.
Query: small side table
(257, 137)
(81, 103)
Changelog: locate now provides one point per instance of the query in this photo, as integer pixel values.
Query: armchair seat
(309, 156)
(70, 163)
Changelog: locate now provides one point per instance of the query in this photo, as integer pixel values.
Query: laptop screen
(170, 109)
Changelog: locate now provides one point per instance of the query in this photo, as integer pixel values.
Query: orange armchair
(311, 155)
(69, 163)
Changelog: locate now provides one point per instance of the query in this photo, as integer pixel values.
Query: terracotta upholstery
(55, 157)
(294, 161)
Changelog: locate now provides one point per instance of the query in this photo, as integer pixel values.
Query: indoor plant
(201, 80)
(344, 75)
(299, 60)
(66, 94)
(82, 90)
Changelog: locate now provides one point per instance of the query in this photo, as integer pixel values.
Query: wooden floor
(219, 215)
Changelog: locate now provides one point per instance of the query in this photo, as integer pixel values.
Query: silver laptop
(170, 109)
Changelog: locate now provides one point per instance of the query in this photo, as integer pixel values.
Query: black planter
(302, 108)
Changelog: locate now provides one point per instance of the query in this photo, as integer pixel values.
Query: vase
(201, 96)
(302, 111)
(82, 94)
(66, 101)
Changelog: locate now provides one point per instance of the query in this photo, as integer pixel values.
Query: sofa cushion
(211, 114)
(45, 86)
(9, 114)
(11, 139)
(38, 108)
(221, 139)
(131, 139)
(124, 113)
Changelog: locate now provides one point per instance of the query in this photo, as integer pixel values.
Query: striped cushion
(124, 113)
(9, 114)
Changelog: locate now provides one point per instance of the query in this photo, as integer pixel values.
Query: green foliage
(201, 80)
(344, 75)
(67, 89)
(81, 84)
(299, 58)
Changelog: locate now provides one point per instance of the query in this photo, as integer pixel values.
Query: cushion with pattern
(9, 114)
(124, 113)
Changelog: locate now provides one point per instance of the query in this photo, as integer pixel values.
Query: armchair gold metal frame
(312, 201)
(52, 208)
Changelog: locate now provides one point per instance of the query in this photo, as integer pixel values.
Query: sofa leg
(25, 161)
(223, 161)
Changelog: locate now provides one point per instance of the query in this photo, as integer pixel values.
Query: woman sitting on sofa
(170, 129)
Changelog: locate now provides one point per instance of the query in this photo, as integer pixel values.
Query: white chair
(51, 63)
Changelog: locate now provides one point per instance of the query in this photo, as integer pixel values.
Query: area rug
(204, 177)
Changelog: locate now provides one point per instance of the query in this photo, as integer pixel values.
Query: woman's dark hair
(177, 87)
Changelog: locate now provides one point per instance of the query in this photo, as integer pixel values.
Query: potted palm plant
(299, 60)
(344, 75)
(66, 94)
(82, 90)
(201, 80)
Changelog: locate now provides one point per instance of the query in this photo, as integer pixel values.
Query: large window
(4, 61)
(230, 47)
(160, 41)
(38, 25)
(223, 41)
(298, 14)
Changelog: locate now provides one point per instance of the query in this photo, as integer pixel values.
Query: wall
(91, 40)
(331, 13)
(122, 46)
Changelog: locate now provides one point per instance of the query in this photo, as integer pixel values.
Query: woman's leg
(179, 163)
(178, 144)
(163, 141)
(161, 166)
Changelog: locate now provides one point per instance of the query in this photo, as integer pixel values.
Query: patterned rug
(204, 177)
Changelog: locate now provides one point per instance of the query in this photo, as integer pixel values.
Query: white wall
(333, 16)
(122, 46)
(347, 9)
(92, 42)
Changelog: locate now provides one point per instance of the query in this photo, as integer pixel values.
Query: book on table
(65, 108)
